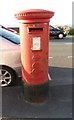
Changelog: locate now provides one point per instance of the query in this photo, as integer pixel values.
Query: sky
(62, 9)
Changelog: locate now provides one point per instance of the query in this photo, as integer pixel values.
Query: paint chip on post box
(36, 45)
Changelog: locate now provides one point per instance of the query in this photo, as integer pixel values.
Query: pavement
(52, 101)
(57, 103)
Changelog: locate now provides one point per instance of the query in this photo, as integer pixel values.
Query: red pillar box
(34, 36)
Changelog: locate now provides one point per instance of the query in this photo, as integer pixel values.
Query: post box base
(39, 88)
(36, 93)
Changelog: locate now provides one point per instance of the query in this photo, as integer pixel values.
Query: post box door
(39, 53)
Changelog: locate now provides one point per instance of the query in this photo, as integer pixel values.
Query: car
(10, 57)
(56, 32)
(11, 30)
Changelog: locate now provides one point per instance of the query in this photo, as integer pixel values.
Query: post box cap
(34, 14)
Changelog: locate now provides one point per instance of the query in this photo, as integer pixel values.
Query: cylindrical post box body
(34, 36)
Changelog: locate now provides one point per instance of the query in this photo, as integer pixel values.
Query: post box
(34, 37)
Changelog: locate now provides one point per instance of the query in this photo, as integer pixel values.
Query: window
(51, 28)
(9, 36)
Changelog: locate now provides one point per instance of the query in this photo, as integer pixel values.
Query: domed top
(34, 14)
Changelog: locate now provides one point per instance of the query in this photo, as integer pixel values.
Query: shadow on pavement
(53, 100)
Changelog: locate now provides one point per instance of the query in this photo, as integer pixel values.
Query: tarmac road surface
(61, 52)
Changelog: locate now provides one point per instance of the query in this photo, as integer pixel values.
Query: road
(60, 52)
(54, 102)
(61, 60)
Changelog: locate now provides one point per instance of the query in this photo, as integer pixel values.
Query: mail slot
(34, 37)
(35, 29)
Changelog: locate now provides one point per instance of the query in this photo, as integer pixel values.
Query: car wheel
(7, 76)
(60, 36)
